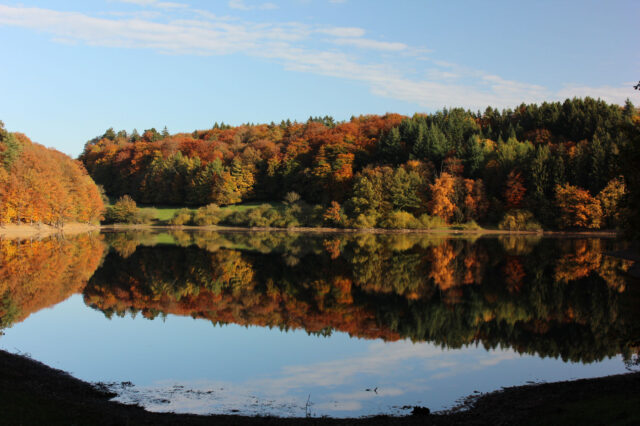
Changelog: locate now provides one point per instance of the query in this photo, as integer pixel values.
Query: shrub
(365, 221)
(207, 215)
(271, 216)
(125, 210)
(400, 220)
(468, 226)
(181, 217)
(292, 216)
(432, 222)
(262, 216)
(239, 218)
(519, 220)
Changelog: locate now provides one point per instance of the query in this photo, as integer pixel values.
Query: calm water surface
(339, 325)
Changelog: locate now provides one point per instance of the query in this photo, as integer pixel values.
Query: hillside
(40, 185)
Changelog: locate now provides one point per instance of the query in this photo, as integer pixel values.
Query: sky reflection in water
(268, 371)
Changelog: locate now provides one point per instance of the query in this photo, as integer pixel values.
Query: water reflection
(35, 274)
(552, 297)
(548, 297)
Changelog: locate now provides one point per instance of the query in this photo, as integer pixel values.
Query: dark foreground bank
(33, 394)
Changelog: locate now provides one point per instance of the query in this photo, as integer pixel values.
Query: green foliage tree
(404, 189)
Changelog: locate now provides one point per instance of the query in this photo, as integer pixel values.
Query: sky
(71, 69)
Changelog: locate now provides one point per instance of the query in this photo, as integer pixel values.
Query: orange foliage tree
(442, 192)
(41, 185)
(475, 204)
(514, 190)
(577, 208)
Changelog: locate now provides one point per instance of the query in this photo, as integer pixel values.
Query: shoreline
(215, 228)
(33, 393)
(24, 231)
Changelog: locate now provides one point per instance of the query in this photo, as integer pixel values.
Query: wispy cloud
(242, 5)
(397, 369)
(321, 50)
(342, 31)
(370, 44)
(155, 3)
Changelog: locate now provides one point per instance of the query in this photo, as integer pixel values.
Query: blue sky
(71, 69)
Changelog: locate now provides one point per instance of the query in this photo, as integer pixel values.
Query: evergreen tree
(135, 136)
(390, 149)
(597, 166)
(473, 156)
(110, 134)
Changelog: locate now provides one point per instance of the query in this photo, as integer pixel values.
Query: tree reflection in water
(557, 297)
(35, 274)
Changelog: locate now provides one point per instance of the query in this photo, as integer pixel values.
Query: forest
(557, 165)
(40, 185)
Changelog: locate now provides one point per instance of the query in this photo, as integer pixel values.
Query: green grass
(248, 206)
(162, 213)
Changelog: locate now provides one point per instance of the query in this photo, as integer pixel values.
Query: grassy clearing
(248, 206)
(162, 214)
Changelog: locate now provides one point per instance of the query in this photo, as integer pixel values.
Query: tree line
(557, 165)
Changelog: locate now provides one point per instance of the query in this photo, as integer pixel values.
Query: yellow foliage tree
(610, 198)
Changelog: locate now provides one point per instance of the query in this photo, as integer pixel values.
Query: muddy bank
(23, 231)
(33, 394)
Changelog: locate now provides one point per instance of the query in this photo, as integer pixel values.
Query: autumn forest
(556, 165)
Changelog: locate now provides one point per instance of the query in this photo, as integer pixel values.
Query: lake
(296, 324)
